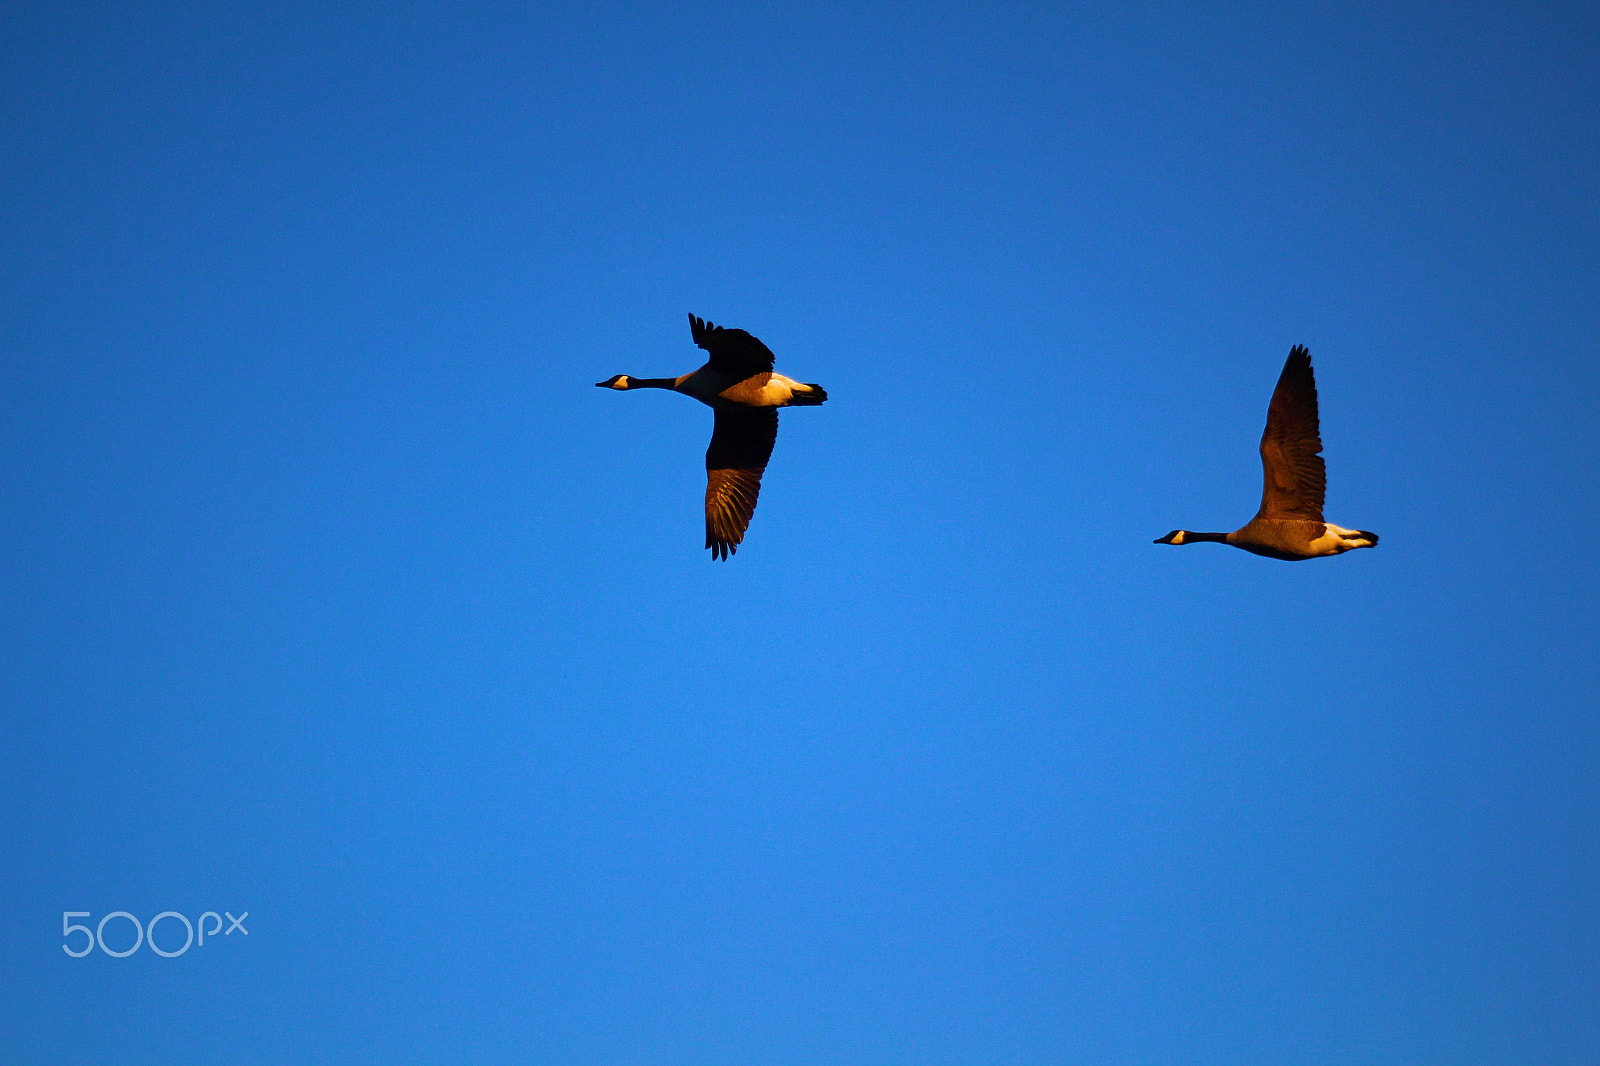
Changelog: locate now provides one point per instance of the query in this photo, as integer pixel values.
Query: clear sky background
(336, 593)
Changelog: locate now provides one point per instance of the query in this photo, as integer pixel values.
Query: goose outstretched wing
(741, 444)
(1293, 472)
(733, 351)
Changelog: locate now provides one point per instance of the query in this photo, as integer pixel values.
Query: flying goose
(1289, 524)
(737, 383)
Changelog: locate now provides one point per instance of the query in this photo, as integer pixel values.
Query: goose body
(739, 385)
(1289, 524)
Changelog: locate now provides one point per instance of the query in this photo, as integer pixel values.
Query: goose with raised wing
(740, 386)
(1289, 524)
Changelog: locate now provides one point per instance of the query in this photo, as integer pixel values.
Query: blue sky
(338, 594)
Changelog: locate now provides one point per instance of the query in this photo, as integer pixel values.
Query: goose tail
(813, 395)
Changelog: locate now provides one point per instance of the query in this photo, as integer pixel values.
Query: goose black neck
(1190, 537)
(652, 383)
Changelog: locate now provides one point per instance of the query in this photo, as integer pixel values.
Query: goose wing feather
(732, 351)
(740, 447)
(1295, 478)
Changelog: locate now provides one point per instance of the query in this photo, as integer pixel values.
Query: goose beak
(601, 384)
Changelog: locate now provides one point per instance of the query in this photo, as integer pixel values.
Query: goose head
(1175, 537)
(620, 382)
